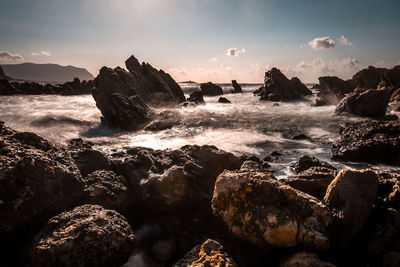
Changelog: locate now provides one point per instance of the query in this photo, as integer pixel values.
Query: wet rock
(37, 180)
(368, 141)
(89, 160)
(236, 87)
(88, 235)
(368, 103)
(196, 97)
(210, 89)
(257, 207)
(223, 100)
(306, 161)
(371, 77)
(313, 181)
(278, 87)
(332, 90)
(210, 253)
(351, 197)
(304, 259)
(105, 188)
(299, 137)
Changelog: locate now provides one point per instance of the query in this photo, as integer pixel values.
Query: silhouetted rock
(332, 90)
(368, 103)
(196, 97)
(279, 88)
(210, 253)
(88, 235)
(368, 141)
(351, 196)
(3, 75)
(236, 87)
(304, 259)
(306, 161)
(223, 100)
(210, 89)
(257, 207)
(371, 77)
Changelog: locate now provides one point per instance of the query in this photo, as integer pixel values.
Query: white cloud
(345, 41)
(213, 59)
(7, 56)
(322, 43)
(45, 53)
(234, 52)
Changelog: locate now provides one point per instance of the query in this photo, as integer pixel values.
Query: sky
(205, 40)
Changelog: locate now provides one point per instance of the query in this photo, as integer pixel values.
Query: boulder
(368, 141)
(368, 103)
(210, 89)
(306, 161)
(304, 259)
(196, 97)
(277, 87)
(223, 100)
(236, 87)
(371, 77)
(210, 253)
(351, 197)
(37, 180)
(88, 235)
(262, 210)
(331, 90)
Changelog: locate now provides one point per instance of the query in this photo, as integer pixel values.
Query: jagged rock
(37, 180)
(105, 188)
(257, 207)
(313, 181)
(279, 88)
(368, 141)
(304, 259)
(210, 253)
(210, 89)
(332, 90)
(371, 77)
(88, 235)
(196, 97)
(306, 161)
(368, 103)
(223, 100)
(351, 196)
(3, 75)
(236, 87)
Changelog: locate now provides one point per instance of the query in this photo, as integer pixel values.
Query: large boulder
(236, 87)
(224, 100)
(257, 207)
(306, 161)
(210, 89)
(370, 103)
(196, 97)
(351, 197)
(210, 253)
(368, 141)
(88, 235)
(371, 77)
(37, 180)
(304, 259)
(277, 87)
(331, 90)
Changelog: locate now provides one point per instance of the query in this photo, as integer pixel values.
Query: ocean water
(247, 126)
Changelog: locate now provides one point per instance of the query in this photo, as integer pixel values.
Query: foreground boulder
(257, 207)
(236, 87)
(351, 196)
(88, 235)
(37, 180)
(304, 259)
(210, 89)
(331, 90)
(368, 103)
(210, 253)
(277, 87)
(368, 141)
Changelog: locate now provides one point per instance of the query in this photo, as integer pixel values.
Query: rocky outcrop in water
(277, 87)
(196, 98)
(236, 87)
(76, 87)
(331, 90)
(371, 77)
(305, 162)
(368, 141)
(368, 103)
(88, 235)
(210, 89)
(224, 100)
(257, 207)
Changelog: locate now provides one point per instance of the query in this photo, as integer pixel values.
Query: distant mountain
(45, 72)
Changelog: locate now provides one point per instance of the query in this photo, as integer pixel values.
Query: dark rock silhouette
(236, 87)
(196, 97)
(210, 89)
(3, 75)
(277, 87)
(223, 100)
(332, 90)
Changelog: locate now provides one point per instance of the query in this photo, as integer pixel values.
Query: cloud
(45, 53)
(345, 41)
(7, 56)
(322, 43)
(234, 52)
(213, 59)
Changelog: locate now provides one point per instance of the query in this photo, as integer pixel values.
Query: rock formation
(236, 87)
(277, 87)
(223, 100)
(304, 259)
(331, 90)
(210, 89)
(3, 75)
(196, 98)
